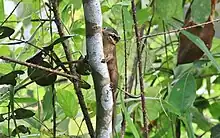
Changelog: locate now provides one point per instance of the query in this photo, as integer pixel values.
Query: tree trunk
(104, 99)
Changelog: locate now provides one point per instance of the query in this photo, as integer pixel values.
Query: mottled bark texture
(104, 99)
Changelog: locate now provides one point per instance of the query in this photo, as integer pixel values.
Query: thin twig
(178, 30)
(133, 6)
(135, 62)
(11, 12)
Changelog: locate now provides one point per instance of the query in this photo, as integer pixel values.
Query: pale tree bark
(104, 99)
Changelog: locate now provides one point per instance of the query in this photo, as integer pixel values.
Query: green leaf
(200, 10)
(200, 120)
(167, 8)
(128, 18)
(10, 77)
(130, 123)
(5, 51)
(124, 3)
(217, 80)
(6, 31)
(165, 130)
(153, 109)
(5, 68)
(59, 40)
(20, 129)
(76, 3)
(187, 119)
(68, 102)
(22, 113)
(42, 77)
(105, 8)
(214, 110)
(201, 103)
(197, 41)
(47, 105)
(2, 12)
(66, 13)
(183, 93)
(25, 100)
(83, 67)
(2, 118)
(143, 14)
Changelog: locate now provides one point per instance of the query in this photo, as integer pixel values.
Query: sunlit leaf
(68, 102)
(2, 12)
(214, 110)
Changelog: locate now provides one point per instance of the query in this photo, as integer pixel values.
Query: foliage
(187, 92)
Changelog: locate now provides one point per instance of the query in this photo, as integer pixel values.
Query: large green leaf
(187, 119)
(164, 131)
(143, 14)
(47, 105)
(68, 102)
(200, 120)
(166, 9)
(5, 51)
(183, 94)
(153, 109)
(214, 110)
(200, 10)
(197, 41)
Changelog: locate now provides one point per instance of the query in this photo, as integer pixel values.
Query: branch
(68, 54)
(40, 67)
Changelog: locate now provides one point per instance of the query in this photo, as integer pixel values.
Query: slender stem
(180, 29)
(123, 124)
(133, 6)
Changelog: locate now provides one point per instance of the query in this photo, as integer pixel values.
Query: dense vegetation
(179, 100)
